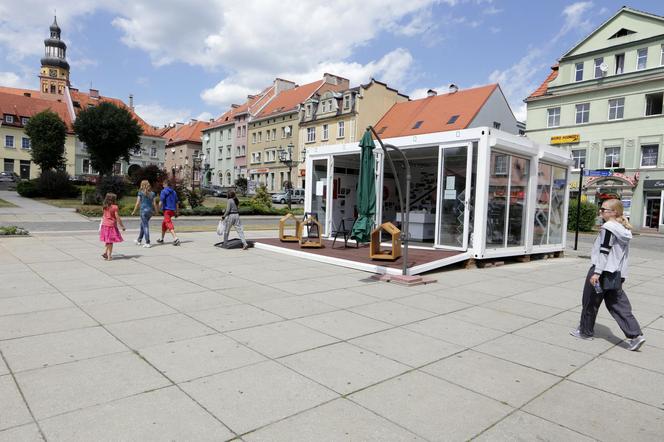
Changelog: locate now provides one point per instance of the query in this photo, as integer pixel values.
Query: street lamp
(286, 158)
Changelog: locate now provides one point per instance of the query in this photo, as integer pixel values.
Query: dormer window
(347, 100)
(622, 33)
(9, 119)
(418, 124)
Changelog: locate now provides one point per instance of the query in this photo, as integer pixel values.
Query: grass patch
(4, 203)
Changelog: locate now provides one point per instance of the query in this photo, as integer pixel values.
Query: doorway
(652, 210)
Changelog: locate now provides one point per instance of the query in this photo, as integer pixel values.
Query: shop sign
(265, 170)
(565, 139)
(597, 173)
(653, 184)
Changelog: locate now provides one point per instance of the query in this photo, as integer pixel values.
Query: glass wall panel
(498, 190)
(557, 213)
(452, 206)
(518, 195)
(319, 190)
(542, 206)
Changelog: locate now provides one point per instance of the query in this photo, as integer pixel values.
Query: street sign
(596, 173)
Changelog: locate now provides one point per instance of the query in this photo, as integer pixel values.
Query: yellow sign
(564, 139)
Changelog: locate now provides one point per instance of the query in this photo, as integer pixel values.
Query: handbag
(611, 280)
(221, 227)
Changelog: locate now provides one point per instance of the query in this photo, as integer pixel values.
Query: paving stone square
(192, 343)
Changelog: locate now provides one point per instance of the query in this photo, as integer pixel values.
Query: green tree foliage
(109, 133)
(151, 173)
(587, 218)
(241, 185)
(47, 134)
(261, 200)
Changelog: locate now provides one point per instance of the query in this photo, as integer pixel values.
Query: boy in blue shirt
(168, 203)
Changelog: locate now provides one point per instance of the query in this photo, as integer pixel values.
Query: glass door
(319, 191)
(653, 206)
(454, 186)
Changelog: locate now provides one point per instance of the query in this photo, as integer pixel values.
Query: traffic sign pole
(578, 208)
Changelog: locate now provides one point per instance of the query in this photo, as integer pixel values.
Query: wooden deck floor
(416, 257)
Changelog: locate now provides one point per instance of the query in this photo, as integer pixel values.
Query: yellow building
(276, 127)
(338, 117)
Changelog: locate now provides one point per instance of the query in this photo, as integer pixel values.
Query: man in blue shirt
(168, 203)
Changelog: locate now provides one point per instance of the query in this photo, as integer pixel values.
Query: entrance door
(25, 170)
(653, 206)
(320, 191)
(454, 186)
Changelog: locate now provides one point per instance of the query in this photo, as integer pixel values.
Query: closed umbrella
(366, 191)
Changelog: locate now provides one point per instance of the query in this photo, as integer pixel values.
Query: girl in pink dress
(109, 233)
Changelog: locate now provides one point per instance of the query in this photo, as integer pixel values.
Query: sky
(184, 59)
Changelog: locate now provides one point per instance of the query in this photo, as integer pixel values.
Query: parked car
(215, 190)
(297, 197)
(9, 177)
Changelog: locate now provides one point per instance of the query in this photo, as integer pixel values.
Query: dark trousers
(616, 303)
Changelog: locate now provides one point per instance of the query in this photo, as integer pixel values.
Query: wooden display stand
(310, 242)
(284, 237)
(391, 254)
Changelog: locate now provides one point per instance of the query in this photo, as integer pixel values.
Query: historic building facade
(604, 102)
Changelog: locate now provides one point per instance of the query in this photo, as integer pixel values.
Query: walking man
(168, 203)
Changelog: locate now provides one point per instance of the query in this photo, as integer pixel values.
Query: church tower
(54, 73)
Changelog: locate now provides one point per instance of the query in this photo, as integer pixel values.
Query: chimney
(27, 94)
(431, 93)
(337, 80)
(177, 125)
(281, 85)
(193, 121)
(235, 106)
(131, 101)
(94, 93)
(453, 88)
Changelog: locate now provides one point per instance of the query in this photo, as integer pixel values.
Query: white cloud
(158, 115)
(10, 79)
(575, 19)
(204, 116)
(394, 68)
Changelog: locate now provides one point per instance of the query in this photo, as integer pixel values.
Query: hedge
(97, 211)
(588, 218)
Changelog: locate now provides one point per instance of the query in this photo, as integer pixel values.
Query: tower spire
(54, 73)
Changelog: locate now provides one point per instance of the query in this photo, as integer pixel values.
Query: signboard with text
(565, 139)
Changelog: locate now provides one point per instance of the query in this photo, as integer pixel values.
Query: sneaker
(636, 343)
(146, 245)
(176, 242)
(577, 334)
(137, 242)
(160, 241)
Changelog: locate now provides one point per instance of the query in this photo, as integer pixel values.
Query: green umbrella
(366, 191)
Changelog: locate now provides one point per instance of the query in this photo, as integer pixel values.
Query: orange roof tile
(186, 133)
(85, 101)
(543, 88)
(288, 100)
(432, 114)
(21, 106)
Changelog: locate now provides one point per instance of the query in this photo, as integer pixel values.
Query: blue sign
(596, 173)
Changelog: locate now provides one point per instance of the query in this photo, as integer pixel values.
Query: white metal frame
(487, 139)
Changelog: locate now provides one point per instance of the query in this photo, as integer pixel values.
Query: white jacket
(611, 248)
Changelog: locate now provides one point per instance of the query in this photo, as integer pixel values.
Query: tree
(241, 185)
(109, 133)
(47, 134)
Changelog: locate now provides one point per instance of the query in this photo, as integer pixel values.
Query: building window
(9, 140)
(9, 119)
(260, 137)
(598, 69)
(654, 103)
(244, 150)
(620, 63)
(308, 110)
(612, 157)
(228, 151)
(661, 56)
(311, 134)
(553, 117)
(579, 157)
(496, 125)
(153, 152)
(649, 154)
(25, 143)
(500, 164)
(9, 165)
(228, 178)
(641, 58)
(582, 113)
(616, 108)
(253, 138)
(347, 99)
(341, 132)
(578, 71)
(24, 120)
(325, 132)
(290, 131)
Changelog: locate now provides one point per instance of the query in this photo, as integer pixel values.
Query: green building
(603, 101)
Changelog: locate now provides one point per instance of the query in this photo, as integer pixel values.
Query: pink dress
(109, 232)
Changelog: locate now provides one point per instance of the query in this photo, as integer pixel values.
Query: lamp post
(286, 158)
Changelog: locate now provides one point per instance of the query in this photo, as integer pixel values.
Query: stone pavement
(198, 343)
(28, 210)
